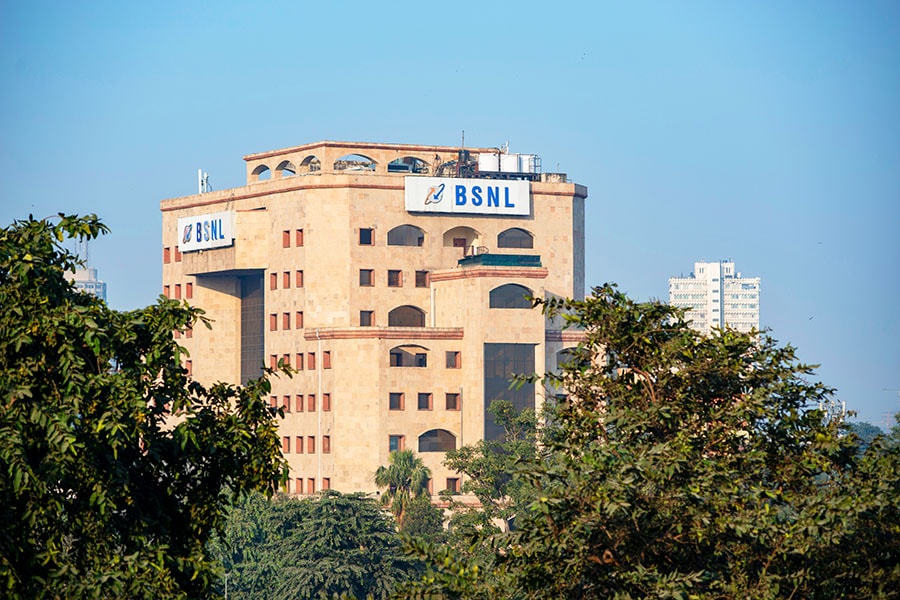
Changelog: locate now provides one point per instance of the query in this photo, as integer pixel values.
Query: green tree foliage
(319, 547)
(866, 432)
(102, 494)
(689, 466)
(405, 478)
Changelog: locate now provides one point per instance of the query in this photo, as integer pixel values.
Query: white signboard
(469, 196)
(201, 232)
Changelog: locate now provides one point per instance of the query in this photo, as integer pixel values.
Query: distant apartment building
(86, 280)
(717, 296)
(395, 278)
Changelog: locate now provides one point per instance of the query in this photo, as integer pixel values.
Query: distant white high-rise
(717, 295)
(86, 281)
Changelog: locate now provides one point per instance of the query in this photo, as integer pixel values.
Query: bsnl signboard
(202, 232)
(468, 196)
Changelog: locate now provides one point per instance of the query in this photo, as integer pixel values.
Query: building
(394, 278)
(86, 280)
(717, 295)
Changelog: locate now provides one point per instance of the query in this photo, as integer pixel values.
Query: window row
(402, 316)
(285, 359)
(424, 401)
(307, 446)
(394, 278)
(435, 440)
(286, 278)
(285, 321)
(309, 405)
(174, 291)
(170, 252)
(296, 236)
(310, 487)
(410, 235)
(417, 356)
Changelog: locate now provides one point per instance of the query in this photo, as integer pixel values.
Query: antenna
(463, 145)
(203, 182)
(84, 251)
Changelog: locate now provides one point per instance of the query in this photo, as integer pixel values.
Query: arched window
(409, 356)
(407, 164)
(406, 316)
(310, 164)
(511, 295)
(354, 162)
(515, 238)
(406, 235)
(285, 169)
(437, 440)
(262, 173)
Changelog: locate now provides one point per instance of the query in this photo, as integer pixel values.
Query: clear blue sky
(765, 132)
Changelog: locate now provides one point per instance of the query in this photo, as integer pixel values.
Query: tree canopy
(404, 479)
(687, 466)
(103, 494)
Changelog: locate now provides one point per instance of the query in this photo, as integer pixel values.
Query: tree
(103, 494)
(319, 547)
(683, 465)
(866, 432)
(405, 478)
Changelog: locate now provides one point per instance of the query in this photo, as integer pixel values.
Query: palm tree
(405, 478)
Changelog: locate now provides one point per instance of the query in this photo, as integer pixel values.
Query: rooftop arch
(354, 162)
(437, 440)
(406, 235)
(285, 169)
(310, 164)
(406, 316)
(261, 173)
(510, 295)
(408, 164)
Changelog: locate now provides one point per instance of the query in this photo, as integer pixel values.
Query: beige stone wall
(330, 208)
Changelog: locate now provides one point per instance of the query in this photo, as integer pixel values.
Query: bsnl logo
(203, 231)
(488, 196)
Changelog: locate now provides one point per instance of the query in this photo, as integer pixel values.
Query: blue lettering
(199, 231)
(476, 195)
(205, 231)
(506, 201)
(460, 195)
(494, 196)
(215, 229)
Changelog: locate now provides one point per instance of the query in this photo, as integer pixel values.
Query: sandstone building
(394, 277)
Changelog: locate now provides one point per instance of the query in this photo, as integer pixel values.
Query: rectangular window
(298, 279)
(178, 291)
(298, 238)
(326, 402)
(177, 254)
(286, 360)
(286, 280)
(311, 444)
(396, 443)
(366, 277)
(326, 359)
(453, 485)
(189, 290)
(326, 444)
(298, 402)
(273, 322)
(273, 401)
(452, 401)
(366, 318)
(298, 320)
(189, 332)
(176, 334)
(286, 403)
(311, 403)
(299, 361)
(459, 242)
(421, 279)
(395, 278)
(189, 367)
(273, 361)
(286, 239)
(286, 445)
(424, 401)
(285, 321)
(166, 292)
(396, 401)
(311, 361)
(326, 483)
(310, 486)
(298, 486)
(366, 237)
(453, 360)
(273, 281)
(167, 255)
(299, 445)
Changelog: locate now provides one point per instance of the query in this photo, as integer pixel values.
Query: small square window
(396, 401)
(326, 483)
(453, 485)
(286, 239)
(395, 278)
(452, 401)
(286, 280)
(454, 360)
(326, 444)
(366, 237)
(273, 281)
(311, 403)
(326, 359)
(366, 277)
(421, 279)
(326, 402)
(189, 332)
(298, 238)
(396, 443)
(273, 401)
(298, 279)
(366, 318)
(424, 401)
